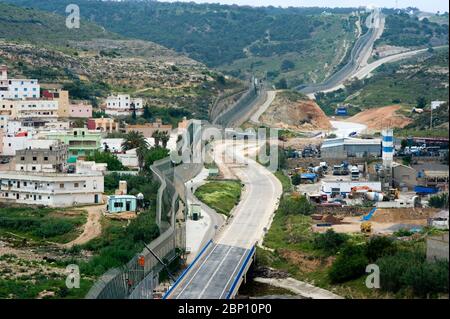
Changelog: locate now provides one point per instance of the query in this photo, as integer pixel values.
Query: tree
(157, 136)
(287, 65)
(421, 102)
(141, 152)
(281, 84)
(113, 163)
(439, 201)
(153, 155)
(79, 123)
(404, 143)
(330, 241)
(379, 246)
(164, 137)
(350, 264)
(296, 179)
(295, 205)
(134, 140)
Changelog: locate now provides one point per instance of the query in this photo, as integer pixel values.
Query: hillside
(91, 68)
(421, 77)
(301, 45)
(406, 30)
(26, 24)
(292, 110)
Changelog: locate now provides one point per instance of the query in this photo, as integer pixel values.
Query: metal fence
(137, 279)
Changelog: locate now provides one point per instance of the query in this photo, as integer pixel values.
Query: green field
(220, 195)
(42, 224)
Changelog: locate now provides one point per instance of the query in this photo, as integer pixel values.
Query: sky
(424, 5)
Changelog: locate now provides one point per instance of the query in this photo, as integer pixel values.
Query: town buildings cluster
(43, 155)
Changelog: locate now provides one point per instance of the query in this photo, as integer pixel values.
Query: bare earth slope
(377, 118)
(291, 110)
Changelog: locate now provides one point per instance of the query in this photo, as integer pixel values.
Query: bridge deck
(213, 274)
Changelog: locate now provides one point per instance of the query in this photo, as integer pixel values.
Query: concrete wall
(437, 248)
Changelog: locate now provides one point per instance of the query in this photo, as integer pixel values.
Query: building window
(45, 158)
(22, 158)
(61, 185)
(33, 168)
(34, 158)
(76, 185)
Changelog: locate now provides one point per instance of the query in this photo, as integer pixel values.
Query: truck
(354, 172)
(341, 169)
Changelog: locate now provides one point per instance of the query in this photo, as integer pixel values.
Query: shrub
(350, 264)
(410, 270)
(379, 246)
(296, 179)
(330, 241)
(291, 205)
(439, 201)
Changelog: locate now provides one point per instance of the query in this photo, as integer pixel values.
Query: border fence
(138, 278)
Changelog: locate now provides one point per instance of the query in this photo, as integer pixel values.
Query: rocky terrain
(291, 110)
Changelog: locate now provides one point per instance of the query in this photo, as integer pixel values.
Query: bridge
(221, 266)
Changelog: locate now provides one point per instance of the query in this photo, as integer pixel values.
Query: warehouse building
(350, 147)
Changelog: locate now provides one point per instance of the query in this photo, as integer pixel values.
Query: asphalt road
(214, 273)
(358, 56)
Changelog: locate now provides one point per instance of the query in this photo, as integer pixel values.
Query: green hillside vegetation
(408, 31)
(404, 82)
(238, 39)
(27, 24)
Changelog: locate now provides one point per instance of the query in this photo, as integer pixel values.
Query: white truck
(354, 173)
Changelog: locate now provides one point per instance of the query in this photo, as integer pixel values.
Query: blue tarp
(425, 190)
(308, 176)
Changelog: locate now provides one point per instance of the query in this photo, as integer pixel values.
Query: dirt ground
(305, 262)
(384, 221)
(300, 114)
(92, 228)
(378, 118)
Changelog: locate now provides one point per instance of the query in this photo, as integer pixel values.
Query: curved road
(358, 56)
(213, 274)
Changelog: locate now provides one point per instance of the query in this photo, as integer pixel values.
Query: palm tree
(164, 136)
(157, 136)
(141, 152)
(134, 140)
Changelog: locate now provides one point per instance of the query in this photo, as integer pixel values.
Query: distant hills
(296, 44)
(26, 24)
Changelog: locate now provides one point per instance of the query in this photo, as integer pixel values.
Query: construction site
(372, 195)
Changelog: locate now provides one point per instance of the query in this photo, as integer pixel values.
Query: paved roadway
(213, 274)
(263, 107)
(358, 57)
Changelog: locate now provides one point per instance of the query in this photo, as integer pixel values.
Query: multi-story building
(17, 88)
(12, 143)
(80, 141)
(103, 124)
(51, 189)
(123, 105)
(36, 109)
(149, 128)
(48, 156)
(62, 97)
(80, 110)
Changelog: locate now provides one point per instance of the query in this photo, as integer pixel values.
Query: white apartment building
(12, 143)
(121, 105)
(38, 109)
(51, 189)
(17, 88)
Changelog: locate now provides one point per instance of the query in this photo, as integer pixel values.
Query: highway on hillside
(358, 57)
(218, 267)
